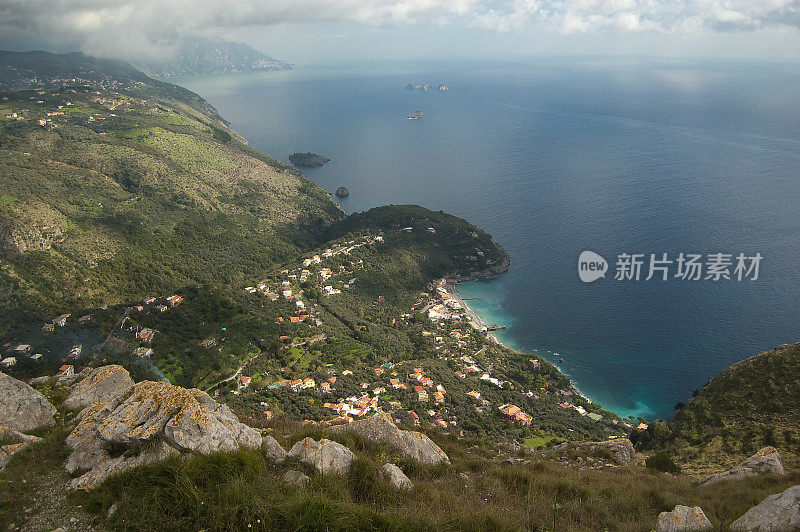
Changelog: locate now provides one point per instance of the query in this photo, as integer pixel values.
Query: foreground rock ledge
(325, 456)
(157, 420)
(767, 460)
(683, 518)
(107, 384)
(381, 429)
(21, 407)
(776, 512)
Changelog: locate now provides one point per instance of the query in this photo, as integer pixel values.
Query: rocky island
(342, 192)
(308, 159)
(417, 87)
(425, 86)
(415, 115)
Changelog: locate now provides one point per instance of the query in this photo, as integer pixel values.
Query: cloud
(147, 29)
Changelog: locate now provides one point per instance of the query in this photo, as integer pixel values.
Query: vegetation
(243, 490)
(133, 189)
(118, 188)
(750, 405)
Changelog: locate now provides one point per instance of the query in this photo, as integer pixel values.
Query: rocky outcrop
(381, 429)
(620, 451)
(21, 407)
(189, 420)
(308, 159)
(157, 420)
(342, 192)
(767, 460)
(10, 435)
(325, 456)
(9, 450)
(272, 448)
(395, 477)
(296, 478)
(158, 450)
(106, 384)
(780, 512)
(683, 519)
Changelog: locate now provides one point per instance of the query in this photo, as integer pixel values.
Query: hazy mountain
(197, 56)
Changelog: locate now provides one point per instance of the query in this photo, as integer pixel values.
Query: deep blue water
(553, 159)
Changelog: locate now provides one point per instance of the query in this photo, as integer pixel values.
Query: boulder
(9, 450)
(325, 455)
(157, 420)
(395, 477)
(10, 435)
(621, 449)
(158, 450)
(767, 460)
(296, 478)
(683, 519)
(780, 512)
(21, 407)
(106, 384)
(381, 429)
(189, 420)
(272, 448)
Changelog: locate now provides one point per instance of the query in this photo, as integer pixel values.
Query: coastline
(477, 322)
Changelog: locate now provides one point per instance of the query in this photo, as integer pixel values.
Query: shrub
(663, 462)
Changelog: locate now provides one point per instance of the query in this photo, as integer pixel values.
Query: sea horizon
(554, 159)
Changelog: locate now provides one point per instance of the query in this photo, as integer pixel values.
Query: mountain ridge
(200, 56)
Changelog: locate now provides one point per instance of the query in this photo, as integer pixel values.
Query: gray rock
(776, 513)
(325, 455)
(15, 442)
(89, 451)
(272, 448)
(159, 450)
(14, 436)
(21, 407)
(7, 451)
(767, 460)
(106, 384)
(621, 449)
(296, 478)
(395, 476)
(157, 420)
(189, 420)
(683, 519)
(381, 429)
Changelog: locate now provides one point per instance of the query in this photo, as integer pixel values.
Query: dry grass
(476, 492)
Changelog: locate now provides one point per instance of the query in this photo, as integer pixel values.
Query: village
(460, 375)
(459, 340)
(76, 101)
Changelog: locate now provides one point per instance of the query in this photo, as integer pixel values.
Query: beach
(474, 319)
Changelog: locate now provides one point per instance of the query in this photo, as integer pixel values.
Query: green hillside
(750, 405)
(115, 187)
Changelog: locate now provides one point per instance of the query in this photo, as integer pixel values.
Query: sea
(554, 157)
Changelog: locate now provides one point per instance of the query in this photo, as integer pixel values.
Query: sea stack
(342, 192)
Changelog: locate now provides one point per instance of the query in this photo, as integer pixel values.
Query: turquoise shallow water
(553, 159)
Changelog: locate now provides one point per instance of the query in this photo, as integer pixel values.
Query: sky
(319, 31)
